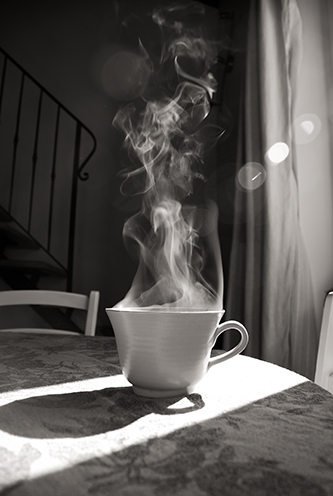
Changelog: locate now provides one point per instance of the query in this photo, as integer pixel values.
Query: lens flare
(278, 152)
(251, 176)
(125, 75)
(306, 128)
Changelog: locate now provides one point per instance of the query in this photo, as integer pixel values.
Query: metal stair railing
(40, 193)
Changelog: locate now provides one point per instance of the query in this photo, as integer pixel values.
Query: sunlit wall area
(313, 135)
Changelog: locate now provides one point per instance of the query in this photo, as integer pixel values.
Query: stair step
(4, 216)
(15, 238)
(31, 267)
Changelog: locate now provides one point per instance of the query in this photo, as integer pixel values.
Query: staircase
(43, 151)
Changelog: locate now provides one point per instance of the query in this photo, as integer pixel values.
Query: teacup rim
(147, 310)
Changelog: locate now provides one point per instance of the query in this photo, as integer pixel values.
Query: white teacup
(166, 353)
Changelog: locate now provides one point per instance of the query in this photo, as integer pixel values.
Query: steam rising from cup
(176, 242)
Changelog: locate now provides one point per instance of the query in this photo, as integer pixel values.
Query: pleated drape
(270, 287)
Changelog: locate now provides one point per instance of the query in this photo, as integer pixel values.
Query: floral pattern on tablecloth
(71, 425)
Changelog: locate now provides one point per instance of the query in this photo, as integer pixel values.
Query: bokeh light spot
(125, 75)
(306, 128)
(251, 176)
(278, 152)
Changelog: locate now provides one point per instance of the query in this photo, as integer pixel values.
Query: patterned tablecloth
(71, 425)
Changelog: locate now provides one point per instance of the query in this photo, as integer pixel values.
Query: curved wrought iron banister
(54, 99)
(23, 91)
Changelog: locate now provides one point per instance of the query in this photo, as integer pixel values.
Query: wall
(64, 46)
(314, 155)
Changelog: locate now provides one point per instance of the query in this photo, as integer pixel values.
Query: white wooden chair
(324, 367)
(59, 299)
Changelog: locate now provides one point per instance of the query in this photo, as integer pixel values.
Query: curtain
(269, 284)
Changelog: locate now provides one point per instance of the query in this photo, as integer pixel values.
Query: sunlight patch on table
(226, 388)
(63, 388)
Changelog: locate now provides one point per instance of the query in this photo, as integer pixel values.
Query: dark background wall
(64, 45)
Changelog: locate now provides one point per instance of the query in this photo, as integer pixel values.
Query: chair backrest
(324, 367)
(59, 299)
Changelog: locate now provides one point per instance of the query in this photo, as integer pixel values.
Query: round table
(70, 424)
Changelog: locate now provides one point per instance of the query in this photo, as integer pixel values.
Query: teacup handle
(230, 324)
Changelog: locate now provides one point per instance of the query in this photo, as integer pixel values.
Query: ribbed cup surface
(163, 350)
